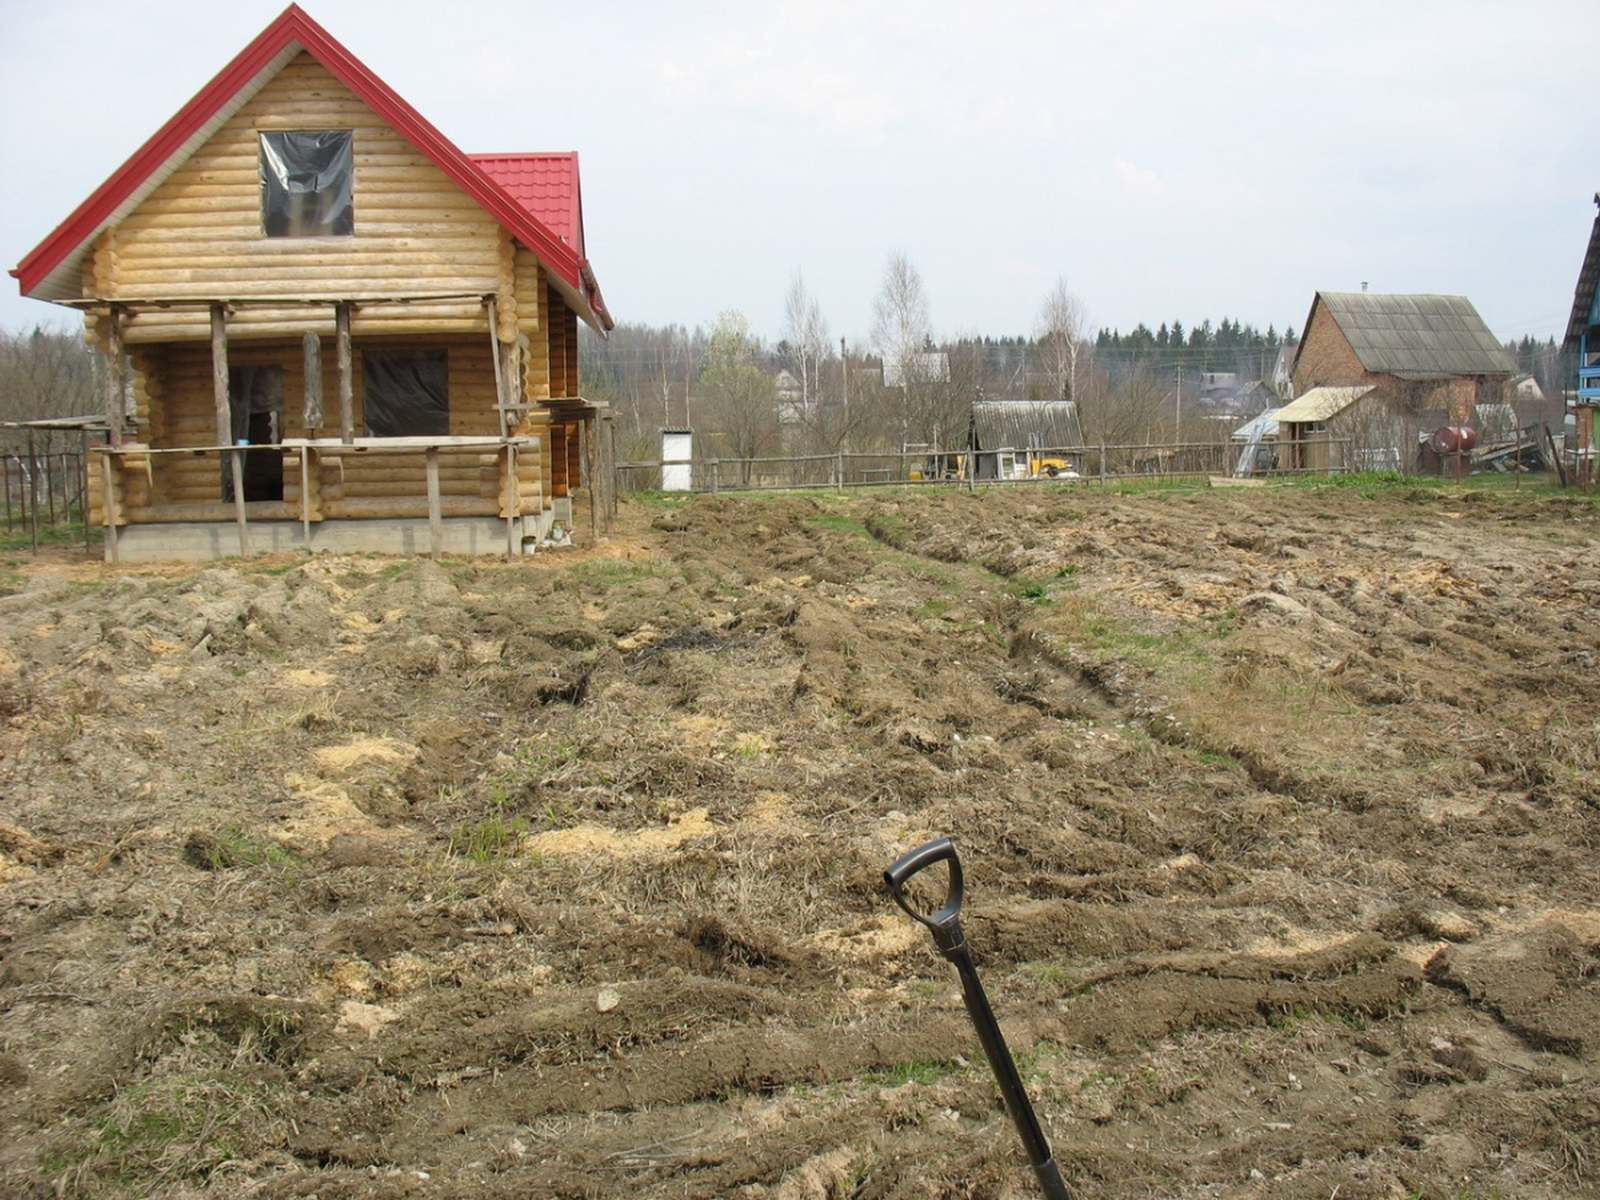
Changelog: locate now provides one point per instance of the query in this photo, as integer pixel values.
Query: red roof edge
(294, 25)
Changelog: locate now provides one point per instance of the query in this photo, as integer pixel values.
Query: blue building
(1583, 339)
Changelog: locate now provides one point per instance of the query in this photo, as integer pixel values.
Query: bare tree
(805, 337)
(902, 334)
(1062, 339)
(740, 399)
(47, 373)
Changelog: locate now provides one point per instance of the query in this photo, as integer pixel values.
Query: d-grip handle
(945, 922)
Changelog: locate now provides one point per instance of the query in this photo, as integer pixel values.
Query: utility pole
(844, 376)
(1177, 403)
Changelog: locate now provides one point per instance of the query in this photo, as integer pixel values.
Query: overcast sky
(1168, 159)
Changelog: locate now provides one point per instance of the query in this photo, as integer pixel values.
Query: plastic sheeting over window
(407, 393)
(307, 184)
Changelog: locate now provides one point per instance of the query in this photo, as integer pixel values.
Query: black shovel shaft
(1005, 1073)
(945, 925)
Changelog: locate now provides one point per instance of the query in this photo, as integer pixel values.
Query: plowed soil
(355, 877)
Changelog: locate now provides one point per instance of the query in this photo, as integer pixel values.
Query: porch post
(347, 420)
(435, 521)
(114, 414)
(586, 431)
(311, 348)
(108, 508)
(219, 374)
(501, 392)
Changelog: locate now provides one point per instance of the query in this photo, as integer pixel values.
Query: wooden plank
(219, 374)
(311, 350)
(347, 421)
(435, 520)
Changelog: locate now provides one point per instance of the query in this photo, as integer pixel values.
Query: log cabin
(324, 326)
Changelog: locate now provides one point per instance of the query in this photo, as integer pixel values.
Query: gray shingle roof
(1021, 424)
(1417, 337)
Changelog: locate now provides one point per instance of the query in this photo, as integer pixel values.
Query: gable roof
(1320, 403)
(1588, 280)
(52, 270)
(1024, 424)
(1420, 336)
(546, 185)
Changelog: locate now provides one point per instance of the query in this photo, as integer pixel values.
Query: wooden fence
(1062, 464)
(42, 491)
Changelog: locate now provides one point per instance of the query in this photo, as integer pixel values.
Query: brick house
(1427, 353)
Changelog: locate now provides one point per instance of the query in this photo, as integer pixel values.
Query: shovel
(952, 943)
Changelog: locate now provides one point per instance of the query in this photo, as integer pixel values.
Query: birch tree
(1061, 332)
(901, 333)
(805, 334)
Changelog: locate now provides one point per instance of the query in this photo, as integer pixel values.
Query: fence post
(838, 479)
(5, 475)
(83, 491)
(33, 494)
(50, 487)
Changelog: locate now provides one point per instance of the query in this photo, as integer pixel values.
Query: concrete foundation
(201, 541)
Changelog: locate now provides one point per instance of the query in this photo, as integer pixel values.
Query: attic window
(307, 183)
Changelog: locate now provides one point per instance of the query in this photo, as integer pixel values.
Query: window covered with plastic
(406, 393)
(308, 183)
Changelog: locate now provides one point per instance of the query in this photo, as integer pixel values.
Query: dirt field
(364, 877)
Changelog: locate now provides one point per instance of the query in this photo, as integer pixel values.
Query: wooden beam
(311, 346)
(347, 419)
(219, 374)
(114, 384)
(435, 519)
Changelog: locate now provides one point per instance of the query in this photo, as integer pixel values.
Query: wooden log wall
(556, 339)
(199, 234)
(532, 316)
(181, 374)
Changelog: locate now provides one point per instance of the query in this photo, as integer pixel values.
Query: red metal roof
(546, 185)
(294, 28)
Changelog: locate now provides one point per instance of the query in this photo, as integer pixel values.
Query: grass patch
(916, 1070)
(932, 610)
(231, 847)
(68, 533)
(489, 840)
(1034, 591)
(608, 573)
(836, 523)
(155, 1134)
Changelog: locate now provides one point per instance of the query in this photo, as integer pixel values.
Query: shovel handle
(945, 922)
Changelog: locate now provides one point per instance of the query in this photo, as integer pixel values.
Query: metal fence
(42, 491)
(1039, 465)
